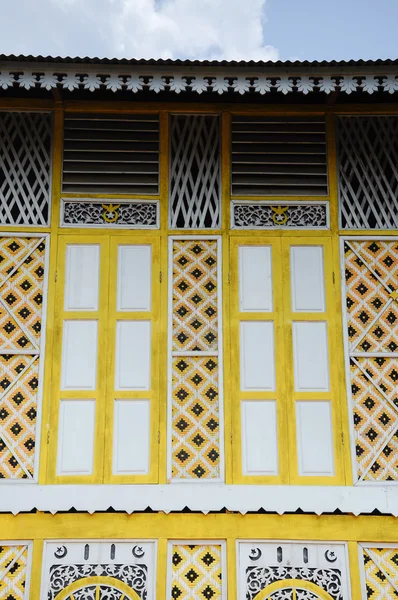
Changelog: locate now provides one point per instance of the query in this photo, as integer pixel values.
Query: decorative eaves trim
(192, 81)
(205, 498)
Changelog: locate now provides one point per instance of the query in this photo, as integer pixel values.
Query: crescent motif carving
(138, 552)
(61, 552)
(255, 554)
(330, 556)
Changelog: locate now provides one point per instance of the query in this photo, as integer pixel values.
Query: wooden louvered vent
(279, 156)
(109, 153)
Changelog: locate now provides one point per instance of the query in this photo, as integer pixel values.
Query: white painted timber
(76, 437)
(82, 277)
(257, 356)
(310, 350)
(259, 437)
(200, 497)
(255, 278)
(131, 437)
(314, 438)
(307, 278)
(134, 277)
(79, 355)
(174, 80)
(133, 355)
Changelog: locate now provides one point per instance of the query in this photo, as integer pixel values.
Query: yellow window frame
(284, 394)
(105, 394)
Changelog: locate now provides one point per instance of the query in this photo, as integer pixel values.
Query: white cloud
(196, 29)
(220, 29)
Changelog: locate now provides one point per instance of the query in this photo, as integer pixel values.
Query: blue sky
(231, 29)
(337, 29)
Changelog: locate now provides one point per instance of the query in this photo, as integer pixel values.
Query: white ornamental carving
(157, 84)
(241, 85)
(134, 83)
(179, 82)
(305, 85)
(220, 85)
(92, 82)
(48, 80)
(114, 82)
(27, 80)
(262, 85)
(71, 82)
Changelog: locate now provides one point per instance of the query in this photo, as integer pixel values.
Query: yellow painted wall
(230, 527)
(50, 409)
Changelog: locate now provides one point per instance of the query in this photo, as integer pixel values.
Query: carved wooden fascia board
(74, 77)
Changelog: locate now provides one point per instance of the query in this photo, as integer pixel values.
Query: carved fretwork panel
(368, 172)
(195, 176)
(292, 571)
(91, 570)
(25, 164)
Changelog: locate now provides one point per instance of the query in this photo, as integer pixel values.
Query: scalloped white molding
(16, 498)
(177, 83)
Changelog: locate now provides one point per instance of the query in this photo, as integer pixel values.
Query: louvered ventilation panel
(109, 153)
(279, 156)
(194, 172)
(368, 172)
(25, 165)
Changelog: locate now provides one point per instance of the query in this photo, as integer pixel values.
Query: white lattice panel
(25, 146)
(195, 172)
(368, 172)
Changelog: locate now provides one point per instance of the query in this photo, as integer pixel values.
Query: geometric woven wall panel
(194, 357)
(371, 272)
(195, 323)
(196, 572)
(195, 418)
(375, 413)
(278, 155)
(368, 172)
(381, 573)
(18, 411)
(195, 179)
(111, 153)
(25, 161)
(13, 572)
(21, 301)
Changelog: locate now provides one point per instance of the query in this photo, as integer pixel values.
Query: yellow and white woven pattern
(381, 573)
(21, 301)
(13, 572)
(196, 572)
(195, 418)
(195, 369)
(371, 271)
(195, 323)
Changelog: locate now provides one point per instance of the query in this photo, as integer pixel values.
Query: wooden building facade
(198, 330)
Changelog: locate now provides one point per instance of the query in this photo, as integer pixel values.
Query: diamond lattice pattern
(195, 418)
(196, 572)
(21, 300)
(368, 172)
(195, 172)
(25, 146)
(371, 271)
(195, 363)
(381, 573)
(195, 323)
(13, 567)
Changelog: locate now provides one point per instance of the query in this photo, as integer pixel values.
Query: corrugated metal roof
(161, 62)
